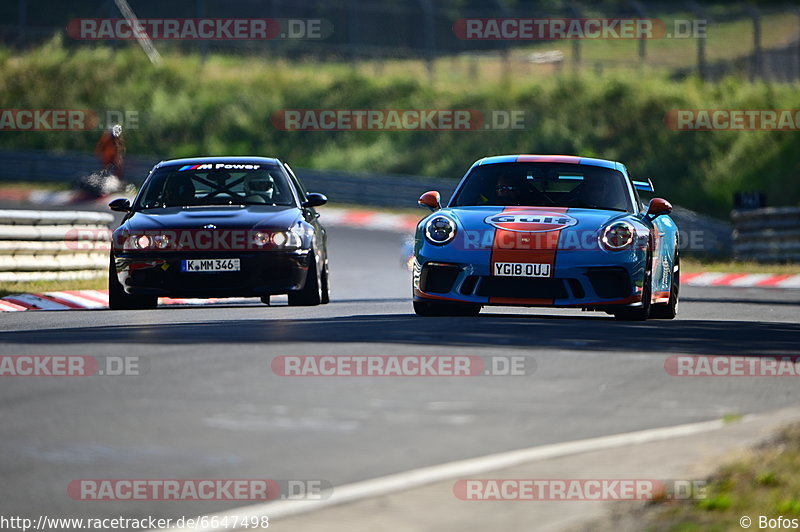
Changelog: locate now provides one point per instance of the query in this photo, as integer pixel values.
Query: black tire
(668, 311)
(437, 308)
(642, 312)
(118, 299)
(311, 293)
(326, 285)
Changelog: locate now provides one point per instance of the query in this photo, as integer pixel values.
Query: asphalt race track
(209, 405)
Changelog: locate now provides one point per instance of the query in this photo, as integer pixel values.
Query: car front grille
(522, 287)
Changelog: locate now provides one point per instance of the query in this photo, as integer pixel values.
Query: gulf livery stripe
(504, 249)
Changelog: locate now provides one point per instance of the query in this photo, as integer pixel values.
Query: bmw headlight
(161, 241)
(618, 236)
(136, 242)
(287, 239)
(440, 230)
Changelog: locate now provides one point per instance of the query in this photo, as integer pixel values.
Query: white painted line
(455, 470)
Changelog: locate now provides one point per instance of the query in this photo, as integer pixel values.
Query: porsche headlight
(618, 236)
(440, 230)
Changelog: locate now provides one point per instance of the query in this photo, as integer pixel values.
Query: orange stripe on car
(508, 247)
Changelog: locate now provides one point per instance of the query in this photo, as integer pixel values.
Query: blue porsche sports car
(547, 230)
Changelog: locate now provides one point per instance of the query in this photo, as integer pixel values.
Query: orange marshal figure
(110, 149)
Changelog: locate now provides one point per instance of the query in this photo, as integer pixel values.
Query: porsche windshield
(216, 184)
(545, 185)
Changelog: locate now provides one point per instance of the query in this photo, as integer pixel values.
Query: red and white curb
(742, 280)
(92, 299)
(98, 299)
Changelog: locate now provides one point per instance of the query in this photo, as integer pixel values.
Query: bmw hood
(249, 217)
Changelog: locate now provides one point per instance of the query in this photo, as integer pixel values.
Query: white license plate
(210, 265)
(520, 269)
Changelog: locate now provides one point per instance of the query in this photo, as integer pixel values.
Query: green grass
(763, 482)
(33, 287)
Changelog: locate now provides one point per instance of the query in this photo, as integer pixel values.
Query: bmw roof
(244, 159)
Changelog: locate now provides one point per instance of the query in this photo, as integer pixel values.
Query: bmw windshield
(545, 185)
(216, 184)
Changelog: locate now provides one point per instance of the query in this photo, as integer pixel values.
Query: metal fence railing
(53, 245)
(771, 234)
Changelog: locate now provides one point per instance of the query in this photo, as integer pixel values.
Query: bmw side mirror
(315, 200)
(432, 200)
(658, 206)
(120, 205)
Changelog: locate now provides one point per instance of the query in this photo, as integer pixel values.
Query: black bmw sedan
(219, 227)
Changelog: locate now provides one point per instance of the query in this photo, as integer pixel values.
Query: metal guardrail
(771, 234)
(53, 245)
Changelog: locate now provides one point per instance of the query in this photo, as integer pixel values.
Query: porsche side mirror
(315, 200)
(431, 199)
(120, 205)
(658, 206)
